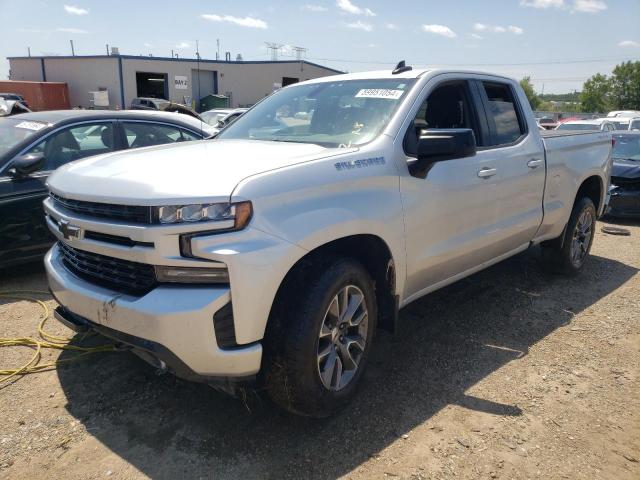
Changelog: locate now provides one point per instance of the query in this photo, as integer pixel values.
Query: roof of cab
(388, 74)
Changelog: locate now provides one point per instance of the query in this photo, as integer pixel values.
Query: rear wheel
(317, 347)
(567, 253)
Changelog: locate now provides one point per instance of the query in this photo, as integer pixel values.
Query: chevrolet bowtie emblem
(67, 230)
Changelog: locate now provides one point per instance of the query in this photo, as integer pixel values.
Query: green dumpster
(209, 102)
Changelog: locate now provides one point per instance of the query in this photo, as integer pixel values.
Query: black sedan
(625, 176)
(32, 145)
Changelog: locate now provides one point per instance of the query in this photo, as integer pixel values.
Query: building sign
(100, 98)
(181, 83)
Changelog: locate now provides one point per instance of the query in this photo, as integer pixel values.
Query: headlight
(239, 212)
(191, 275)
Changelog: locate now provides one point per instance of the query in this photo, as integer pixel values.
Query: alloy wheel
(581, 238)
(342, 339)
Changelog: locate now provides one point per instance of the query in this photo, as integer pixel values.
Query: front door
(451, 213)
(23, 231)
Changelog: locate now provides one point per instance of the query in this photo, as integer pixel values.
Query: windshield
(578, 126)
(13, 131)
(331, 114)
(627, 147)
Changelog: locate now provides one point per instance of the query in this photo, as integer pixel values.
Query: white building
(179, 80)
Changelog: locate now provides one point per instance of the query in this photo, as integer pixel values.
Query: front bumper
(176, 321)
(624, 203)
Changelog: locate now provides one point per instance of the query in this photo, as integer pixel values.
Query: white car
(623, 114)
(602, 124)
(625, 123)
(219, 118)
(269, 256)
(634, 124)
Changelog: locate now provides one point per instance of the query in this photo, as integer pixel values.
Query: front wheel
(567, 254)
(319, 342)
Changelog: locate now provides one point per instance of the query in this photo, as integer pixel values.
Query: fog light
(191, 275)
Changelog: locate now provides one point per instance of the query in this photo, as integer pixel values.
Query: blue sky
(559, 43)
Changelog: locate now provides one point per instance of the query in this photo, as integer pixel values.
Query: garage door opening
(289, 81)
(153, 85)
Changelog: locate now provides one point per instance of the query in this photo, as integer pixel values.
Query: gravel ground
(512, 373)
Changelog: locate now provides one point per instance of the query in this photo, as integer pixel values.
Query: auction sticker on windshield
(380, 93)
(35, 126)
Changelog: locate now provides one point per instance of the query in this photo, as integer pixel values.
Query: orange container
(39, 95)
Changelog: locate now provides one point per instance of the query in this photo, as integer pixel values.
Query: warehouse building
(120, 78)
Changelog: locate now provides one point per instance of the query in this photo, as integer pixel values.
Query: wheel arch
(592, 187)
(368, 249)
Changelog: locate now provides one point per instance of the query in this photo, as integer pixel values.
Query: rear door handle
(487, 172)
(534, 163)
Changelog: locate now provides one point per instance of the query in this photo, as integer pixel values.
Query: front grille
(123, 276)
(127, 213)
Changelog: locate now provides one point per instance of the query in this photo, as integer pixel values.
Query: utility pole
(29, 50)
(107, 45)
(197, 50)
(218, 50)
(300, 51)
(274, 48)
(73, 52)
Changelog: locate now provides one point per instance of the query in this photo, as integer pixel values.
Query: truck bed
(566, 133)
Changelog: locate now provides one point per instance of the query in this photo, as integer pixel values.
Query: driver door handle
(534, 163)
(487, 172)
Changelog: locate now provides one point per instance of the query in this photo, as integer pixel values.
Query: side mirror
(220, 124)
(443, 144)
(27, 164)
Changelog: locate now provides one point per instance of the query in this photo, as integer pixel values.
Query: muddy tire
(319, 338)
(568, 253)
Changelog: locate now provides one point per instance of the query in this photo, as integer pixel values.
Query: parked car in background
(221, 117)
(269, 256)
(593, 125)
(623, 114)
(625, 123)
(547, 123)
(15, 97)
(145, 103)
(625, 175)
(32, 145)
(12, 107)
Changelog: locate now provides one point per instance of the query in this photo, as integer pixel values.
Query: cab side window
(503, 113)
(447, 106)
(74, 143)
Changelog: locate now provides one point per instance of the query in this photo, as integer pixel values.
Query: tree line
(600, 93)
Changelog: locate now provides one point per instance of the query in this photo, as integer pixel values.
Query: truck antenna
(401, 67)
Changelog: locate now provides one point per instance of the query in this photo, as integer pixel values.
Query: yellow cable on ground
(48, 340)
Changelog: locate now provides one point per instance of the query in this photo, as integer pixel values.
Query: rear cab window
(505, 117)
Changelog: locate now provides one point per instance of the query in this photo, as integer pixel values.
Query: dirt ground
(512, 373)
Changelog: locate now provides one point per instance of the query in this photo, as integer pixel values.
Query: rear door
(518, 156)
(138, 134)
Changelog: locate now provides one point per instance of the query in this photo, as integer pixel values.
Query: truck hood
(194, 172)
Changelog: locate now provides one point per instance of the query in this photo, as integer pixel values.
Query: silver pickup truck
(269, 256)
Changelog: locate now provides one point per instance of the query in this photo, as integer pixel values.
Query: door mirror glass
(27, 164)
